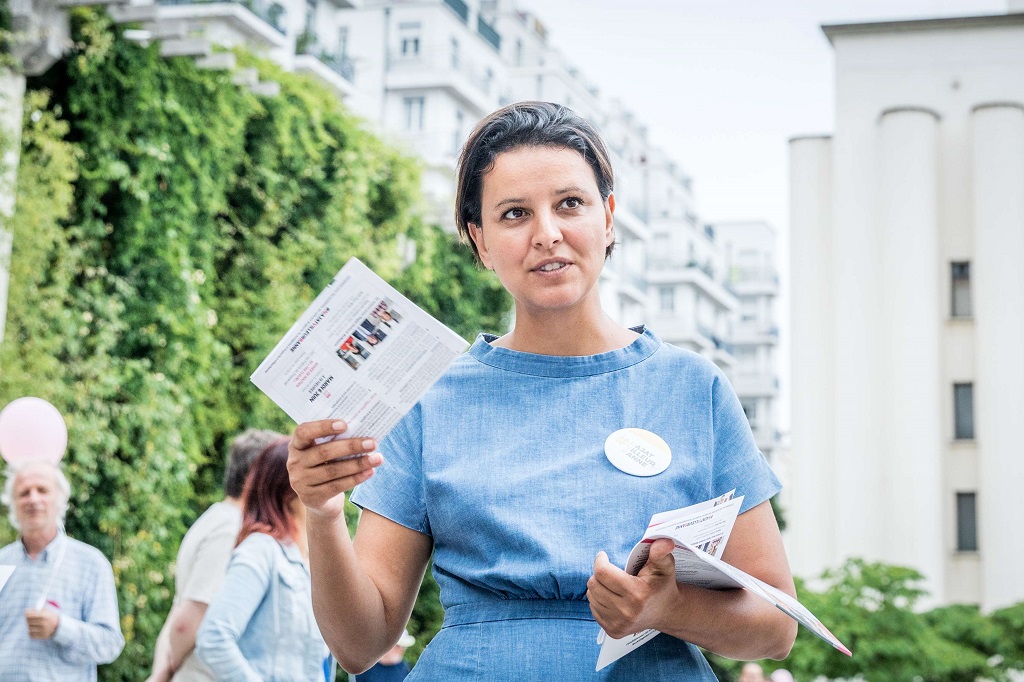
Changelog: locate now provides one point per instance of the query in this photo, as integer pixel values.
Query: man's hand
(624, 604)
(42, 623)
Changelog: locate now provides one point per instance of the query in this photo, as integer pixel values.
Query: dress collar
(565, 365)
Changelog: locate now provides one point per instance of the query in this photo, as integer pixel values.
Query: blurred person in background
(78, 626)
(260, 626)
(781, 675)
(201, 563)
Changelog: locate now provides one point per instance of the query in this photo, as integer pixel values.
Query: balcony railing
(488, 33)
(460, 8)
(340, 64)
(703, 267)
(270, 12)
(755, 275)
(437, 62)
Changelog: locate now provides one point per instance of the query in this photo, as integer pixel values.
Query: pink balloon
(32, 429)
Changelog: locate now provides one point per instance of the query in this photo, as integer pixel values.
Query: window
(460, 123)
(413, 112)
(310, 17)
(661, 253)
(519, 53)
(966, 522)
(409, 38)
(961, 292)
(455, 54)
(748, 310)
(343, 41)
(746, 360)
(410, 46)
(667, 299)
(963, 411)
(750, 411)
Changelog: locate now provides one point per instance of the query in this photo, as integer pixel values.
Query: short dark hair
(524, 124)
(244, 449)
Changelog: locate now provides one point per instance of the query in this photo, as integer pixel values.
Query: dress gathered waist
(516, 609)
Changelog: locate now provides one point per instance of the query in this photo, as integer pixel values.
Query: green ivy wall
(170, 226)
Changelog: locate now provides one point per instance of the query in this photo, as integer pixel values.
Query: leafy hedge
(873, 609)
(169, 227)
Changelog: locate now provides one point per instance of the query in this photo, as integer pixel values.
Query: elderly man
(201, 564)
(77, 627)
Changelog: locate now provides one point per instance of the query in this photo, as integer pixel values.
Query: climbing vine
(170, 226)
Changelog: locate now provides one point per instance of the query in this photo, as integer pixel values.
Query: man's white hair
(63, 489)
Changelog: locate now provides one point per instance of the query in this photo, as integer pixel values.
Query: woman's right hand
(320, 473)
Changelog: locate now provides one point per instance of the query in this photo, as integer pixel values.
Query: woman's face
(545, 228)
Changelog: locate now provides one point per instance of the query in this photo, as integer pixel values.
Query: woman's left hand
(624, 604)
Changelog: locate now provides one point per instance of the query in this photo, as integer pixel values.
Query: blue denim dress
(502, 463)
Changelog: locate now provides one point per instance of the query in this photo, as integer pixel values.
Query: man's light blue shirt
(82, 592)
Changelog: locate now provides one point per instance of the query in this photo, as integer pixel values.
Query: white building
(908, 308)
(690, 305)
(423, 72)
(750, 259)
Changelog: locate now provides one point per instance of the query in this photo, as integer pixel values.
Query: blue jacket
(260, 626)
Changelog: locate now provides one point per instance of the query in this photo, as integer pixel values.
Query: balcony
(639, 209)
(756, 334)
(436, 69)
(754, 385)
(633, 287)
(336, 71)
(683, 332)
(460, 8)
(488, 33)
(755, 282)
(668, 271)
(256, 23)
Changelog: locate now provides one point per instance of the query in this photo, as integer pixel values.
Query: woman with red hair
(260, 626)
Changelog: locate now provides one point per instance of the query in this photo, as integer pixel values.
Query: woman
(260, 626)
(500, 469)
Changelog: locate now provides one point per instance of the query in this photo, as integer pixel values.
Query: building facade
(421, 73)
(908, 308)
(751, 273)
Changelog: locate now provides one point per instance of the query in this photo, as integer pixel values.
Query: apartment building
(752, 275)
(423, 72)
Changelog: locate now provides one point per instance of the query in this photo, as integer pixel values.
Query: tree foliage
(170, 226)
(871, 607)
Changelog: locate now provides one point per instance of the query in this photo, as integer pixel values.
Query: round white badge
(637, 452)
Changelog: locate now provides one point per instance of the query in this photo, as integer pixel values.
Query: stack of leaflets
(700, 533)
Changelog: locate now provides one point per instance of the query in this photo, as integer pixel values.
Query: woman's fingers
(322, 465)
(307, 433)
(337, 470)
(624, 604)
(610, 577)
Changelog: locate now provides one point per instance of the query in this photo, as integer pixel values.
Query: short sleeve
(208, 567)
(738, 464)
(396, 490)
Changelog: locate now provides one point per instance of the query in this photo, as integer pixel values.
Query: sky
(722, 86)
